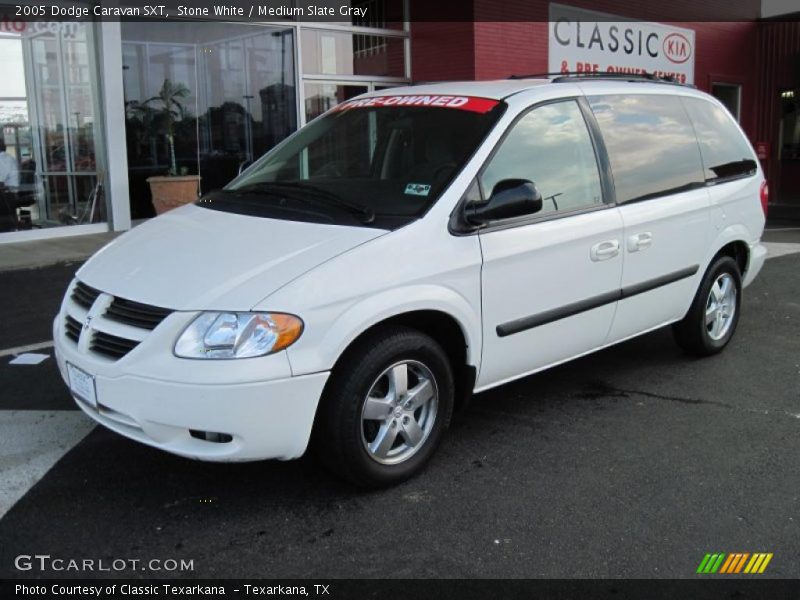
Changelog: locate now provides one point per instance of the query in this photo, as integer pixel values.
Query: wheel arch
(739, 251)
(444, 328)
(732, 241)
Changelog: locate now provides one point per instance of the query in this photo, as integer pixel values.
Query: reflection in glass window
(341, 53)
(725, 151)
(551, 147)
(651, 145)
(324, 96)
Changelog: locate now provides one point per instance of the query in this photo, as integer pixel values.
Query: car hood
(195, 258)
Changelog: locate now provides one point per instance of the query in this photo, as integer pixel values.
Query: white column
(116, 180)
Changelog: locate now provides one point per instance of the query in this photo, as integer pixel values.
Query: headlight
(238, 335)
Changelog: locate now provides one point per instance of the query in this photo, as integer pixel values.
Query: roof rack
(560, 77)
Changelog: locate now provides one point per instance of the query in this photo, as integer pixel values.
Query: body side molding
(569, 310)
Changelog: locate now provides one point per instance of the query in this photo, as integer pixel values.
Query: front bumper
(257, 419)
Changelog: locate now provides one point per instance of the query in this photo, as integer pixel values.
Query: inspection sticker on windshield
(418, 189)
(470, 103)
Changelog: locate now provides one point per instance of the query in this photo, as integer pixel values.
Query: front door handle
(604, 250)
(640, 241)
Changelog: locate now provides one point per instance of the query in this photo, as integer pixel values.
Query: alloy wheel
(399, 412)
(720, 307)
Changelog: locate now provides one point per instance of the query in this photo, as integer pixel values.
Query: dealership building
(76, 97)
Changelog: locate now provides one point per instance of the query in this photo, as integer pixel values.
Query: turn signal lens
(289, 329)
(224, 335)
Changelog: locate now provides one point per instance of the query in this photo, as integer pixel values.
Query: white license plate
(82, 385)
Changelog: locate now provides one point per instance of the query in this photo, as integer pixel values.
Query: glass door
(248, 100)
(64, 114)
(48, 107)
(788, 191)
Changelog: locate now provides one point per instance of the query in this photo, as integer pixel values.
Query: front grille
(72, 329)
(111, 345)
(84, 295)
(136, 314)
(143, 317)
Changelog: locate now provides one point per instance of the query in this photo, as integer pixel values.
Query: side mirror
(510, 198)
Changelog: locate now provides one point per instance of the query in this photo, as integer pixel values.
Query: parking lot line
(31, 442)
(28, 348)
(776, 249)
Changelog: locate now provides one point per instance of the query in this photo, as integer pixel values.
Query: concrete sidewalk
(40, 253)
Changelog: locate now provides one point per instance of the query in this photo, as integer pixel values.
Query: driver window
(551, 147)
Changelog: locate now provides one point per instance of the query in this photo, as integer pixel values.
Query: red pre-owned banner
(470, 103)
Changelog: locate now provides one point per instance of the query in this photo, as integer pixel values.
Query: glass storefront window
(238, 87)
(48, 115)
(328, 52)
(240, 98)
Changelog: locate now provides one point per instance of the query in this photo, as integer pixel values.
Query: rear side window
(651, 145)
(726, 153)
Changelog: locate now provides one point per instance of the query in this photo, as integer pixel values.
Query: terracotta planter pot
(172, 192)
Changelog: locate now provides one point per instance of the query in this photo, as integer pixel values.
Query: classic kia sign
(587, 41)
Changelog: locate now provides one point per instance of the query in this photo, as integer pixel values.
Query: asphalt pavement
(633, 462)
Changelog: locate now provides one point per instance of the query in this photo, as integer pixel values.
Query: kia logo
(677, 48)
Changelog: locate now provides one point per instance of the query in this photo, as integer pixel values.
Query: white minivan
(409, 247)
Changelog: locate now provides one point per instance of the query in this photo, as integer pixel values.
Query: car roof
(496, 90)
(503, 88)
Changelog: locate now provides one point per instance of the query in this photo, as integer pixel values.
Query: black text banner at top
(388, 14)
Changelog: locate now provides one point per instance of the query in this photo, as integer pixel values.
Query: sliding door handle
(640, 241)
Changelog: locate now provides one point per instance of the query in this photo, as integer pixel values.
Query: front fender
(329, 330)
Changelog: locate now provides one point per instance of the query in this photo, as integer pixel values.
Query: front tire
(386, 407)
(714, 314)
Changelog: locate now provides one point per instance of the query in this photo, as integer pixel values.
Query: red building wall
(442, 51)
(511, 38)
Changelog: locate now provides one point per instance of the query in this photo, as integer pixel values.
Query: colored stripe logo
(733, 563)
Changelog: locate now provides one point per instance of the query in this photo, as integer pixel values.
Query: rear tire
(714, 314)
(385, 408)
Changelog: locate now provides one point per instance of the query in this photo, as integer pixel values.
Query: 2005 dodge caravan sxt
(408, 248)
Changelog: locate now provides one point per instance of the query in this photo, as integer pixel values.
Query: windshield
(379, 162)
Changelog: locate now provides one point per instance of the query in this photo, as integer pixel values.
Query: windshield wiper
(365, 213)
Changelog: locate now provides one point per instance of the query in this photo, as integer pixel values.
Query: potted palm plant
(163, 112)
